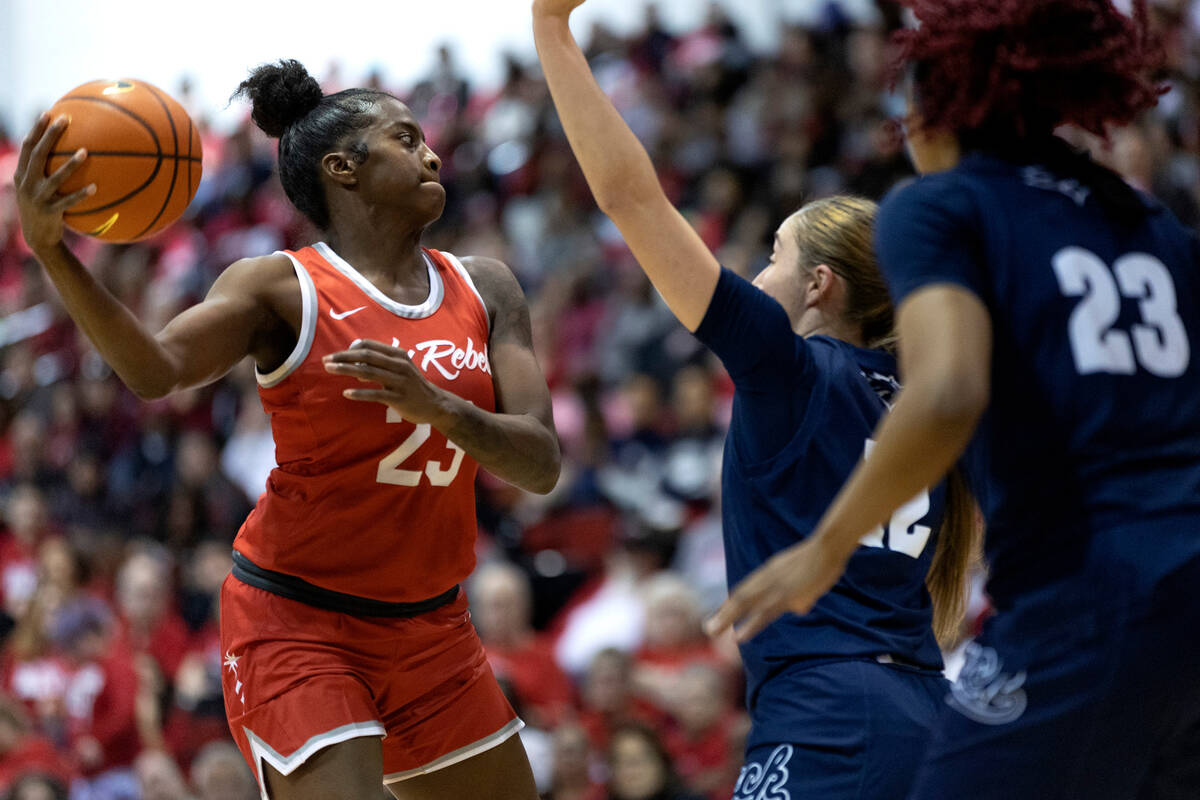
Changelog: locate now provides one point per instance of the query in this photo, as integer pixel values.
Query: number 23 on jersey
(1158, 343)
(390, 470)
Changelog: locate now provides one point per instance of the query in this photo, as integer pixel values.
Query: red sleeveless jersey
(364, 502)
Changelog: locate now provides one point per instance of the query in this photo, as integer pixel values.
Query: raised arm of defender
(619, 171)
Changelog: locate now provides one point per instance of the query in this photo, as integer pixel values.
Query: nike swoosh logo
(345, 314)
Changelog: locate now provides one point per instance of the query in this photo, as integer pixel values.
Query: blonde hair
(839, 232)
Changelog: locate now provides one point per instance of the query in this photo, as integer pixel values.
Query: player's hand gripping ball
(143, 155)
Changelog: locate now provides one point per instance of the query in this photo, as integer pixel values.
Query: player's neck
(391, 252)
(815, 323)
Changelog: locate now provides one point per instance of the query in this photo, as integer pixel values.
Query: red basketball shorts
(297, 679)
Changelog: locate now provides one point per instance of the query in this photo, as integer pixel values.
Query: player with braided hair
(1049, 322)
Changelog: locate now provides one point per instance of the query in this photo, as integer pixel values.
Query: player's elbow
(957, 398)
(147, 390)
(628, 196)
(547, 476)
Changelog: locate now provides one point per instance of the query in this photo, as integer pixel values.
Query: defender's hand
(555, 8)
(792, 580)
(402, 386)
(39, 205)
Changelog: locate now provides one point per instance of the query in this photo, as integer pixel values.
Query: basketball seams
(153, 173)
(175, 162)
(117, 106)
(121, 154)
(147, 182)
(142, 202)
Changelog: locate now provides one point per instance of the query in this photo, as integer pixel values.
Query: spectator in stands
(24, 751)
(100, 700)
(574, 769)
(220, 773)
(640, 767)
(145, 605)
(673, 641)
(27, 524)
(607, 697)
(705, 731)
(38, 787)
(159, 778)
(501, 608)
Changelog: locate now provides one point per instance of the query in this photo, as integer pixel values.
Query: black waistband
(302, 591)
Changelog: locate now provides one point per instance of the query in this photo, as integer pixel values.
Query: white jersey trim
(308, 328)
(285, 765)
(458, 265)
(461, 754)
(431, 304)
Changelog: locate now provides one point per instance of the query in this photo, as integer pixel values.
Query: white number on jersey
(1159, 343)
(389, 468)
(904, 534)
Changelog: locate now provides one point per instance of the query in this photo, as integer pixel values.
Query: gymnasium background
(118, 515)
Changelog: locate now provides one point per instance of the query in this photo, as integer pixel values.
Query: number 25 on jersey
(1158, 343)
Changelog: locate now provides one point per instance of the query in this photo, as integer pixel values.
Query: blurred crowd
(118, 515)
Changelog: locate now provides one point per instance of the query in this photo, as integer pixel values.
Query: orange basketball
(143, 156)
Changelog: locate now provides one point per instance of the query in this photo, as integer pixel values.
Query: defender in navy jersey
(841, 699)
(1050, 316)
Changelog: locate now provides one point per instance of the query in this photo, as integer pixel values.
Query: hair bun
(280, 94)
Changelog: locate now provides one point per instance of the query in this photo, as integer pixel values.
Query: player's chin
(432, 201)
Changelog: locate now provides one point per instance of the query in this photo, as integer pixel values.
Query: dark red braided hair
(1022, 67)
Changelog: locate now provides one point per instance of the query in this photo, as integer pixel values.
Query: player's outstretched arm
(518, 442)
(946, 345)
(198, 347)
(620, 173)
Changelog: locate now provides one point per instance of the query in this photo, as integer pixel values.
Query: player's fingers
(73, 199)
(31, 139)
(758, 617)
(373, 346)
(387, 373)
(370, 395)
(41, 151)
(801, 604)
(730, 611)
(60, 175)
(363, 372)
(392, 359)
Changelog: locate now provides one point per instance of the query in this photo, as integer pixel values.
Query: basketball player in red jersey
(390, 371)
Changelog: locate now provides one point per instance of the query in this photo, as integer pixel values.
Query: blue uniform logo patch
(984, 693)
(766, 781)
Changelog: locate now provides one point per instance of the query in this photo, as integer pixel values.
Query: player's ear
(340, 167)
(820, 283)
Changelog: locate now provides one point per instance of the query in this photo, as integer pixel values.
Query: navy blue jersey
(1094, 422)
(804, 410)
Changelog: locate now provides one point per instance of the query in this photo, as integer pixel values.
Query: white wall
(48, 47)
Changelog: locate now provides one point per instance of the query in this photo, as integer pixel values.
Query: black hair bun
(280, 94)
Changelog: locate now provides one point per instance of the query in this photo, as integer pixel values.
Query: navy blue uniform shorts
(1087, 689)
(841, 730)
